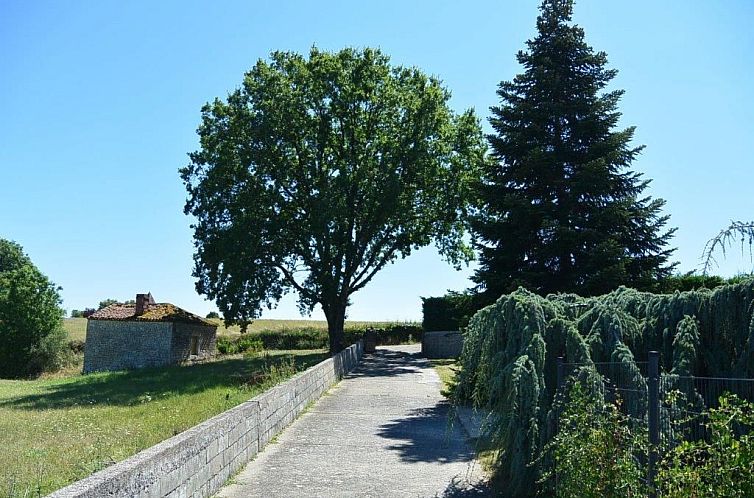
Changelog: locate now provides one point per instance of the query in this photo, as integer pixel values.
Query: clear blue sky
(100, 102)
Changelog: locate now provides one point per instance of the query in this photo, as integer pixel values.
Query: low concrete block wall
(197, 462)
(445, 344)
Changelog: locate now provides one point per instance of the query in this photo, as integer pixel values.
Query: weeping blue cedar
(511, 346)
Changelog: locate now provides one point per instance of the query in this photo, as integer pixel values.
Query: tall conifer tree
(560, 209)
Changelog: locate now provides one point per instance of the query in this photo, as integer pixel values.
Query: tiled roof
(159, 312)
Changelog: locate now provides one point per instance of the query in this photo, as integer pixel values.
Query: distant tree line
(87, 312)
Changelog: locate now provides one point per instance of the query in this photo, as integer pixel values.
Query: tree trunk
(336, 318)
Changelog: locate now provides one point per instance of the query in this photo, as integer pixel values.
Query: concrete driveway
(383, 431)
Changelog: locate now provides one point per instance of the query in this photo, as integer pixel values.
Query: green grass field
(76, 327)
(56, 430)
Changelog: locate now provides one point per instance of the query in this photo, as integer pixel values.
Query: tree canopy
(32, 338)
(560, 209)
(317, 173)
(106, 302)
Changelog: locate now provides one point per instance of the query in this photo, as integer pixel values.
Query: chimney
(142, 303)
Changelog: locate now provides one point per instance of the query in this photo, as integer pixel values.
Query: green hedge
(449, 312)
(242, 344)
(315, 338)
(691, 281)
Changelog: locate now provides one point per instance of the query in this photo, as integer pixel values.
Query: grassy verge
(447, 370)
(56, 430)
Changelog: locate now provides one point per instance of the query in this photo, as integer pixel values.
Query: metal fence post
(654, 419)
(558, 389)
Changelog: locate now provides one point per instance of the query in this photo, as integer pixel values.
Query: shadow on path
(427, 435)
(387, 363)
(424, 434)
(462, 488)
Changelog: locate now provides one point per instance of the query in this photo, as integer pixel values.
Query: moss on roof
(159, 312)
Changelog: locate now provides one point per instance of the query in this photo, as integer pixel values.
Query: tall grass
(54, 431)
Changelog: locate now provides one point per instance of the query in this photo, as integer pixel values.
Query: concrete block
(215, 465)
(212, 450)
(442, 344)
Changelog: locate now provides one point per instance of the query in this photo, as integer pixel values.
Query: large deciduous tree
(560, 209)
(317, 172)
(32, 338)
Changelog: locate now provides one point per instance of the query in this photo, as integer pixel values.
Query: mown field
(76, 327)
(58, 429)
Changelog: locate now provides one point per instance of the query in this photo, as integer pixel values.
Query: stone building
(145, 334)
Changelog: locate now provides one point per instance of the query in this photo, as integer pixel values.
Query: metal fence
(670, 408)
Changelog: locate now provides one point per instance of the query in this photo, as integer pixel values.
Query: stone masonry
(145, 334)
(197, 462)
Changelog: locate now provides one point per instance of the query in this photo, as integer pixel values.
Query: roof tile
(159, 312)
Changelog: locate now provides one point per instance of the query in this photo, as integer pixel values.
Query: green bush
(241, 344)
(77, 346)
(597, 452)
(693, 281)
(316, 338)
(594, 452)
(388, 334)
(305, 338)
(32, 339)
(449, 312)
(511, 348)
(723, 466)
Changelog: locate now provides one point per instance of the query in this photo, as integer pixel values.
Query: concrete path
(383, 431)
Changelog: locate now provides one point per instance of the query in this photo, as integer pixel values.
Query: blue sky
(100, 102)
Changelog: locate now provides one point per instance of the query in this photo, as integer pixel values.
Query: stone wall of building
(125, 345)
(181, 346)
(196, 463)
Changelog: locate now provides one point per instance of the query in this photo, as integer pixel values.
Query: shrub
(598, 453)
(692, 281)
(316, 338)
(510, 351)
(720, 467)
(213, 315)
(77, 346)
(388, 334)
(32, 338)
(449, 312)
(241, 344)
(305, 338)
(594, 452)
